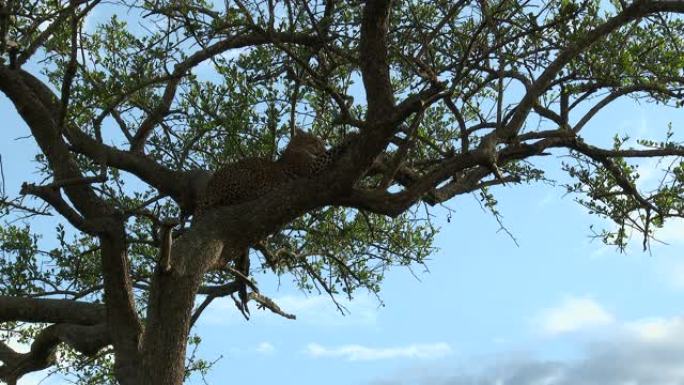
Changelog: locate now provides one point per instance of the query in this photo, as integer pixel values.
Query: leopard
(250, 178)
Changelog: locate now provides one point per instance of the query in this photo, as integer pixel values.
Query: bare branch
(53, 197)
(269, 304)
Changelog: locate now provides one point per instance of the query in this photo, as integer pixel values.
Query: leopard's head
(303, 152)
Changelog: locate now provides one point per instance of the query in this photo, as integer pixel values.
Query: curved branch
(87, 340)
(155, 116)
(615, 94)
(182, 187)
(635, 11)
(42, 120)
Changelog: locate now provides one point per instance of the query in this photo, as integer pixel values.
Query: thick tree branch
(50, 311)
(394, 204)
(42, 121)
(121, 315)
(374, 59)
(183, 187)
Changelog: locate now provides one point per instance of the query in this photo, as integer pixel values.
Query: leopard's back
(250, 178)
(241, 181)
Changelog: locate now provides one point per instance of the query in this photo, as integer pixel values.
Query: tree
(418, 101)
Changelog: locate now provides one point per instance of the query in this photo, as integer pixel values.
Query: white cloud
(265, 348)
(656, 329)
(41, 378)
(644, 351)
(648, 351)
(674, 274)
(669, 267)
(603, 250)
(313, 310)
(320, 310)
(573, 314)
(650, 172)
(548, 199)
(672, 232)
(364, 353)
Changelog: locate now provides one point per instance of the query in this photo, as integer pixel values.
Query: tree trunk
(167, 331)
(172, 299)
(122, 319)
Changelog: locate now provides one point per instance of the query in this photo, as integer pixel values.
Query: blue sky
(558, 309)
